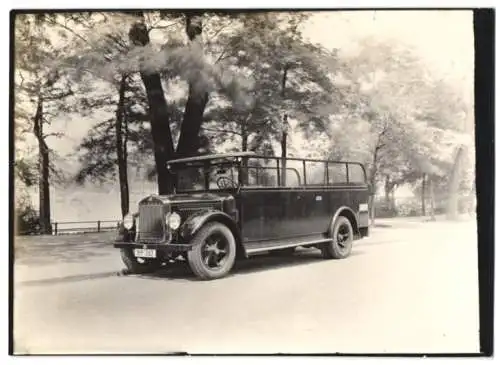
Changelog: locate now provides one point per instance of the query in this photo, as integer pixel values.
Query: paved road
(408, 288)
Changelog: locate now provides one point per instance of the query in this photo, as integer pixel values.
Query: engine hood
(190, 198)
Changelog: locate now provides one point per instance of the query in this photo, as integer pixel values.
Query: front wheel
(137, 265)
(213, 253)
(342, 236)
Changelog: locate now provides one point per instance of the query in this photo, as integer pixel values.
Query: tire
(213, 253)
(340, 247)
(283, 251)
(134, 266)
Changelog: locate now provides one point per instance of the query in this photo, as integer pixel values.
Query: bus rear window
(356, 174)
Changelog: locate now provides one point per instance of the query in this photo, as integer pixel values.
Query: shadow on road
(256, 264)
(66, 279)
(180, 270)
(381, 225)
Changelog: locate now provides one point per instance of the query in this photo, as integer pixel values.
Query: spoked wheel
(137, 265)
(343, 237)
(213, 253)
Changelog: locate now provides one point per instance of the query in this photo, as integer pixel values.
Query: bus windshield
(201, 178)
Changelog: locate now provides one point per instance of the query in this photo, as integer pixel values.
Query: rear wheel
(343, 237)
(136, 265)
(213, 253)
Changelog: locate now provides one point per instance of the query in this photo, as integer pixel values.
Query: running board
(263, 246)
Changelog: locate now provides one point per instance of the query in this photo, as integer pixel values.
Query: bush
(412, 207)
(409, 208)
(467, 204)
(404, 208)
(27, 220)
(383, 210)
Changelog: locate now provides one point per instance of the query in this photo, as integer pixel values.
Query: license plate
(146, 253)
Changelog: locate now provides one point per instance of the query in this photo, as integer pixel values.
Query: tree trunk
(189, 138)
(125, 159)
(284, 131)
(121, 147)
(387, 191)
(423, 194)
(244, 148)
(390, 202)
(160, 130)
(373, 175)
(283, 153)
(371, 203)
(453, 186)
(431, 194)
(45, 221)
(244, 138)
(43, 171)
(189, 141)
(159, 116)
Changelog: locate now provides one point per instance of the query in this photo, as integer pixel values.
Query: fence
(83, 227)
(410, 206)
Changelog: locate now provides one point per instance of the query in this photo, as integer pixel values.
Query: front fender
(194, 223)
(127, 235)
(124, 234)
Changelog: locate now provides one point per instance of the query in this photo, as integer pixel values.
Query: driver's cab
(223, 177)
(211, 173)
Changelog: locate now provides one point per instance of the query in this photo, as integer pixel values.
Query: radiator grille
(151, 222)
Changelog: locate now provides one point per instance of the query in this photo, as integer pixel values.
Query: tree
(104, 152)
(113, 90)
(41, 93)
(197, 99)
(158, 112)
(104, 57)
(202, 77)
(400, 106)
(290, 81)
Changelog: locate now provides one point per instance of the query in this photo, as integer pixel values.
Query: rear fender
(349, 214)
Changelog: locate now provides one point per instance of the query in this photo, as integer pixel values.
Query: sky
(443, 38)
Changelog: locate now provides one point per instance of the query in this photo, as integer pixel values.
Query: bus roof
(233, 155)
(212, 157)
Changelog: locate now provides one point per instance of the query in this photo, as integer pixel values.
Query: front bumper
(162, 247)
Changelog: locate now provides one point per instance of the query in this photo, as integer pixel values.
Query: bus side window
(292, 178)
(356, 174)
(294, 173)
(316, 173)
(337, 173)
(262, 176)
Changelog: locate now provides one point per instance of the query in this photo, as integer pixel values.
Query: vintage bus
(232, 206)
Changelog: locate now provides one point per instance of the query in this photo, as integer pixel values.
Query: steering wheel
(224, 182)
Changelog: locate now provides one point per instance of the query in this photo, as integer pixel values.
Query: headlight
(173, 220)
(128, 221)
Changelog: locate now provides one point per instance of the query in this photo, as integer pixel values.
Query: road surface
(409, 287)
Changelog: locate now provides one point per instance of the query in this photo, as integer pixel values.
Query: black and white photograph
(273, 181)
